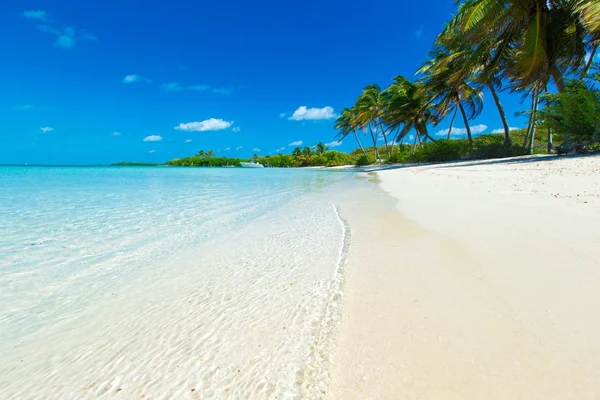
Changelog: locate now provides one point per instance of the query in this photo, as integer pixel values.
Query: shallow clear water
(166, 282)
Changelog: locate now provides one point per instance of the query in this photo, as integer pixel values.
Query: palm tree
(409, 107)
(321, 148)
(370, 107)
(209, 153)
(543, 38)
(447, 81)
(347, 123)
(201, 153)
(590, 15)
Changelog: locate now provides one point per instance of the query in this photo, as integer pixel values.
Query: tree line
(518, 46)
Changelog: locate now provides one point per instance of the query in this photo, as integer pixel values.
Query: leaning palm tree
(347, 123)
(589, 12)
(409, 107)
(483, 68)
(370, 107)
(546, 38)
(447, 81)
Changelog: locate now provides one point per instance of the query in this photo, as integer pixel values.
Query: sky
(150, 81)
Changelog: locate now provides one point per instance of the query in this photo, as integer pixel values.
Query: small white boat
(251, 165)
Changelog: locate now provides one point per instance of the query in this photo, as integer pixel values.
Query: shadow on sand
(468, 163)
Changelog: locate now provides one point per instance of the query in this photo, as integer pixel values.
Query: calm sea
(166, 282)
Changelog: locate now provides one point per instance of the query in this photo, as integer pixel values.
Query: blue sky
(90, 83)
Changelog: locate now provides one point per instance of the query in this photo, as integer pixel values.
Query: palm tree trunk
(558, 77)
(426, 134)
(359, 143)
(452, 122)
(387, 146)
(502, 114)
(415, 145)
(467, 127)
(529, 122)
(534, 111)
(375, 145)
(590, 62)
(550, 145)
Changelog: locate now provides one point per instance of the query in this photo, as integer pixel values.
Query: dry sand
(475, 281)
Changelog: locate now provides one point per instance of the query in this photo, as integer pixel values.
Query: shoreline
(474, 280)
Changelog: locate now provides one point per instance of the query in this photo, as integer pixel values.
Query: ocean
(164, 283)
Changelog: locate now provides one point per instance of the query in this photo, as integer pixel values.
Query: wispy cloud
(46, 129)
(223, 90)
(153, 138)
(67, 38)
(23, 107)
(304, 113)
(296, 143)
(132, 78)
(188, 141)
(419, 32)
(151, 151)
(227, 148)
(176, 87)
(501, 130)
(279, 150)
(35, 14)
(475, 130)
(331, 145)
(116, 134)
(236, 129)
(256, 150)
(238, 148)
(282, 115)
(212, 124)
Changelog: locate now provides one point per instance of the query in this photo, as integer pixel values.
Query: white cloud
(227, 148)
(67, 37)
(501, 130)
(279, 150)
(176, 87)
(151, 151)
(223, 90)
(212, 124)
(256, 150)
(132, 78)
(304, 113)
(116, 133)
(236, 129)
(282, 115)
(238, 148)
(46, 129)
(23, 107)
(188, 141)
(475, 130)
(35, 14)
(296, 143)
(331, 145)
(153, 138)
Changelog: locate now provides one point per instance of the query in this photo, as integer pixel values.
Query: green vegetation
(519, 46)
(318, 156)
(573, 113)
(205, 159)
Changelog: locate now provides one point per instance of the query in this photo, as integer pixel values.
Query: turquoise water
(74, 240)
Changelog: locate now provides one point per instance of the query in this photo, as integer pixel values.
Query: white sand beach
(474, 281)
